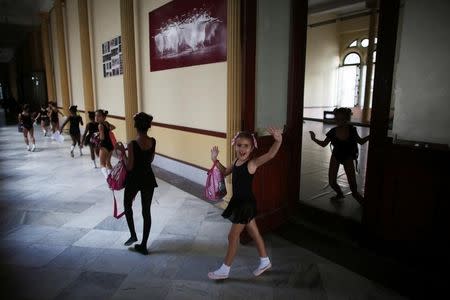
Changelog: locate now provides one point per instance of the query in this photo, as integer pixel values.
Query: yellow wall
(54, 49)
(192, 96)
(119, 132)
(106, 26)
(322, 62)
(74, 53)
(186, 146)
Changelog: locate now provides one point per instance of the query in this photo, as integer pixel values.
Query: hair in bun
(142, 121)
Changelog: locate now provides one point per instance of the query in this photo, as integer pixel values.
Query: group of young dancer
(96, 135)
(138, 156)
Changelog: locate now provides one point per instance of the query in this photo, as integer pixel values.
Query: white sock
(223, 270)
(104, 172)
(263, 262)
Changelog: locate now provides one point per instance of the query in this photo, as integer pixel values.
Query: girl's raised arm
(224, 170)
(259, 161)
(318, 142)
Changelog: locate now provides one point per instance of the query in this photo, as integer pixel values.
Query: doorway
(340, 51)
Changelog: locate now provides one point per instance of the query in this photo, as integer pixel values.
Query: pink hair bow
(233, 140)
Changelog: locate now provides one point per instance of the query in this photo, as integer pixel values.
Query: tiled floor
(314, 188)
(58, 240)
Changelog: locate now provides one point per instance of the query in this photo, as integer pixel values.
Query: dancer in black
(75, 120)
(89, 136)
(106, 145)
(44, 119)
(26, 122)
(141, 152)
(54, 118)
(241, 210)
(345, 139)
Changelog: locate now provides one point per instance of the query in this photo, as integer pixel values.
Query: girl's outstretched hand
(312, 134)
(276, 133)
(214, 153)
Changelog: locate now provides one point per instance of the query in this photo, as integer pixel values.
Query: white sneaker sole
(213, 276)
(258, 271)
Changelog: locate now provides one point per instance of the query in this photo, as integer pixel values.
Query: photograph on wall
(112, 57)
(188, 33)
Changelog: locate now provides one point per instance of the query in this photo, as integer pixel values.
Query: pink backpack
(116, 181)
(215, 184)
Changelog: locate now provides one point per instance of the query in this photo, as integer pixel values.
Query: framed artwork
(187, 33)
(112, 57)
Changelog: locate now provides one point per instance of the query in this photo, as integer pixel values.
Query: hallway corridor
(60, 241)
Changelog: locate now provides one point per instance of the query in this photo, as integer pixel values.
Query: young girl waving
(344, 139)
(106, 145)
(75, 120)
(241, 210)
(140, 177)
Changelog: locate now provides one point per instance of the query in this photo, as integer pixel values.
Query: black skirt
(240, 211)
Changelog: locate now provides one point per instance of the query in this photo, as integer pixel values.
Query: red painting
(187, 33)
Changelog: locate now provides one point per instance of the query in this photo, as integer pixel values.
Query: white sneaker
(262, 269)
(71, 153)
(215, 276)
(28, 148)
(33, 148)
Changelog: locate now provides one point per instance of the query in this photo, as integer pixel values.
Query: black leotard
(43, 115)
(75, 125)
(142, 173)
(106, 142)
(242, 206)
(54, 116)
(91, 128)
(344, 149)
(27, 121)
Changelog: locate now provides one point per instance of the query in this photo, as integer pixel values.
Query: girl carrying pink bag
(215, 184)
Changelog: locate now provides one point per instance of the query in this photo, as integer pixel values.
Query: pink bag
(116, 181)
(215, 184)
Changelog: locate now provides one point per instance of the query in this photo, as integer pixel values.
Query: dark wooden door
(277, 183)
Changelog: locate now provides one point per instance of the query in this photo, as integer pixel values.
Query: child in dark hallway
(44, 119)
(54, 118)
(345, 139)
(106, 145)
(26, 121)
(89, 135)
(75, 120)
